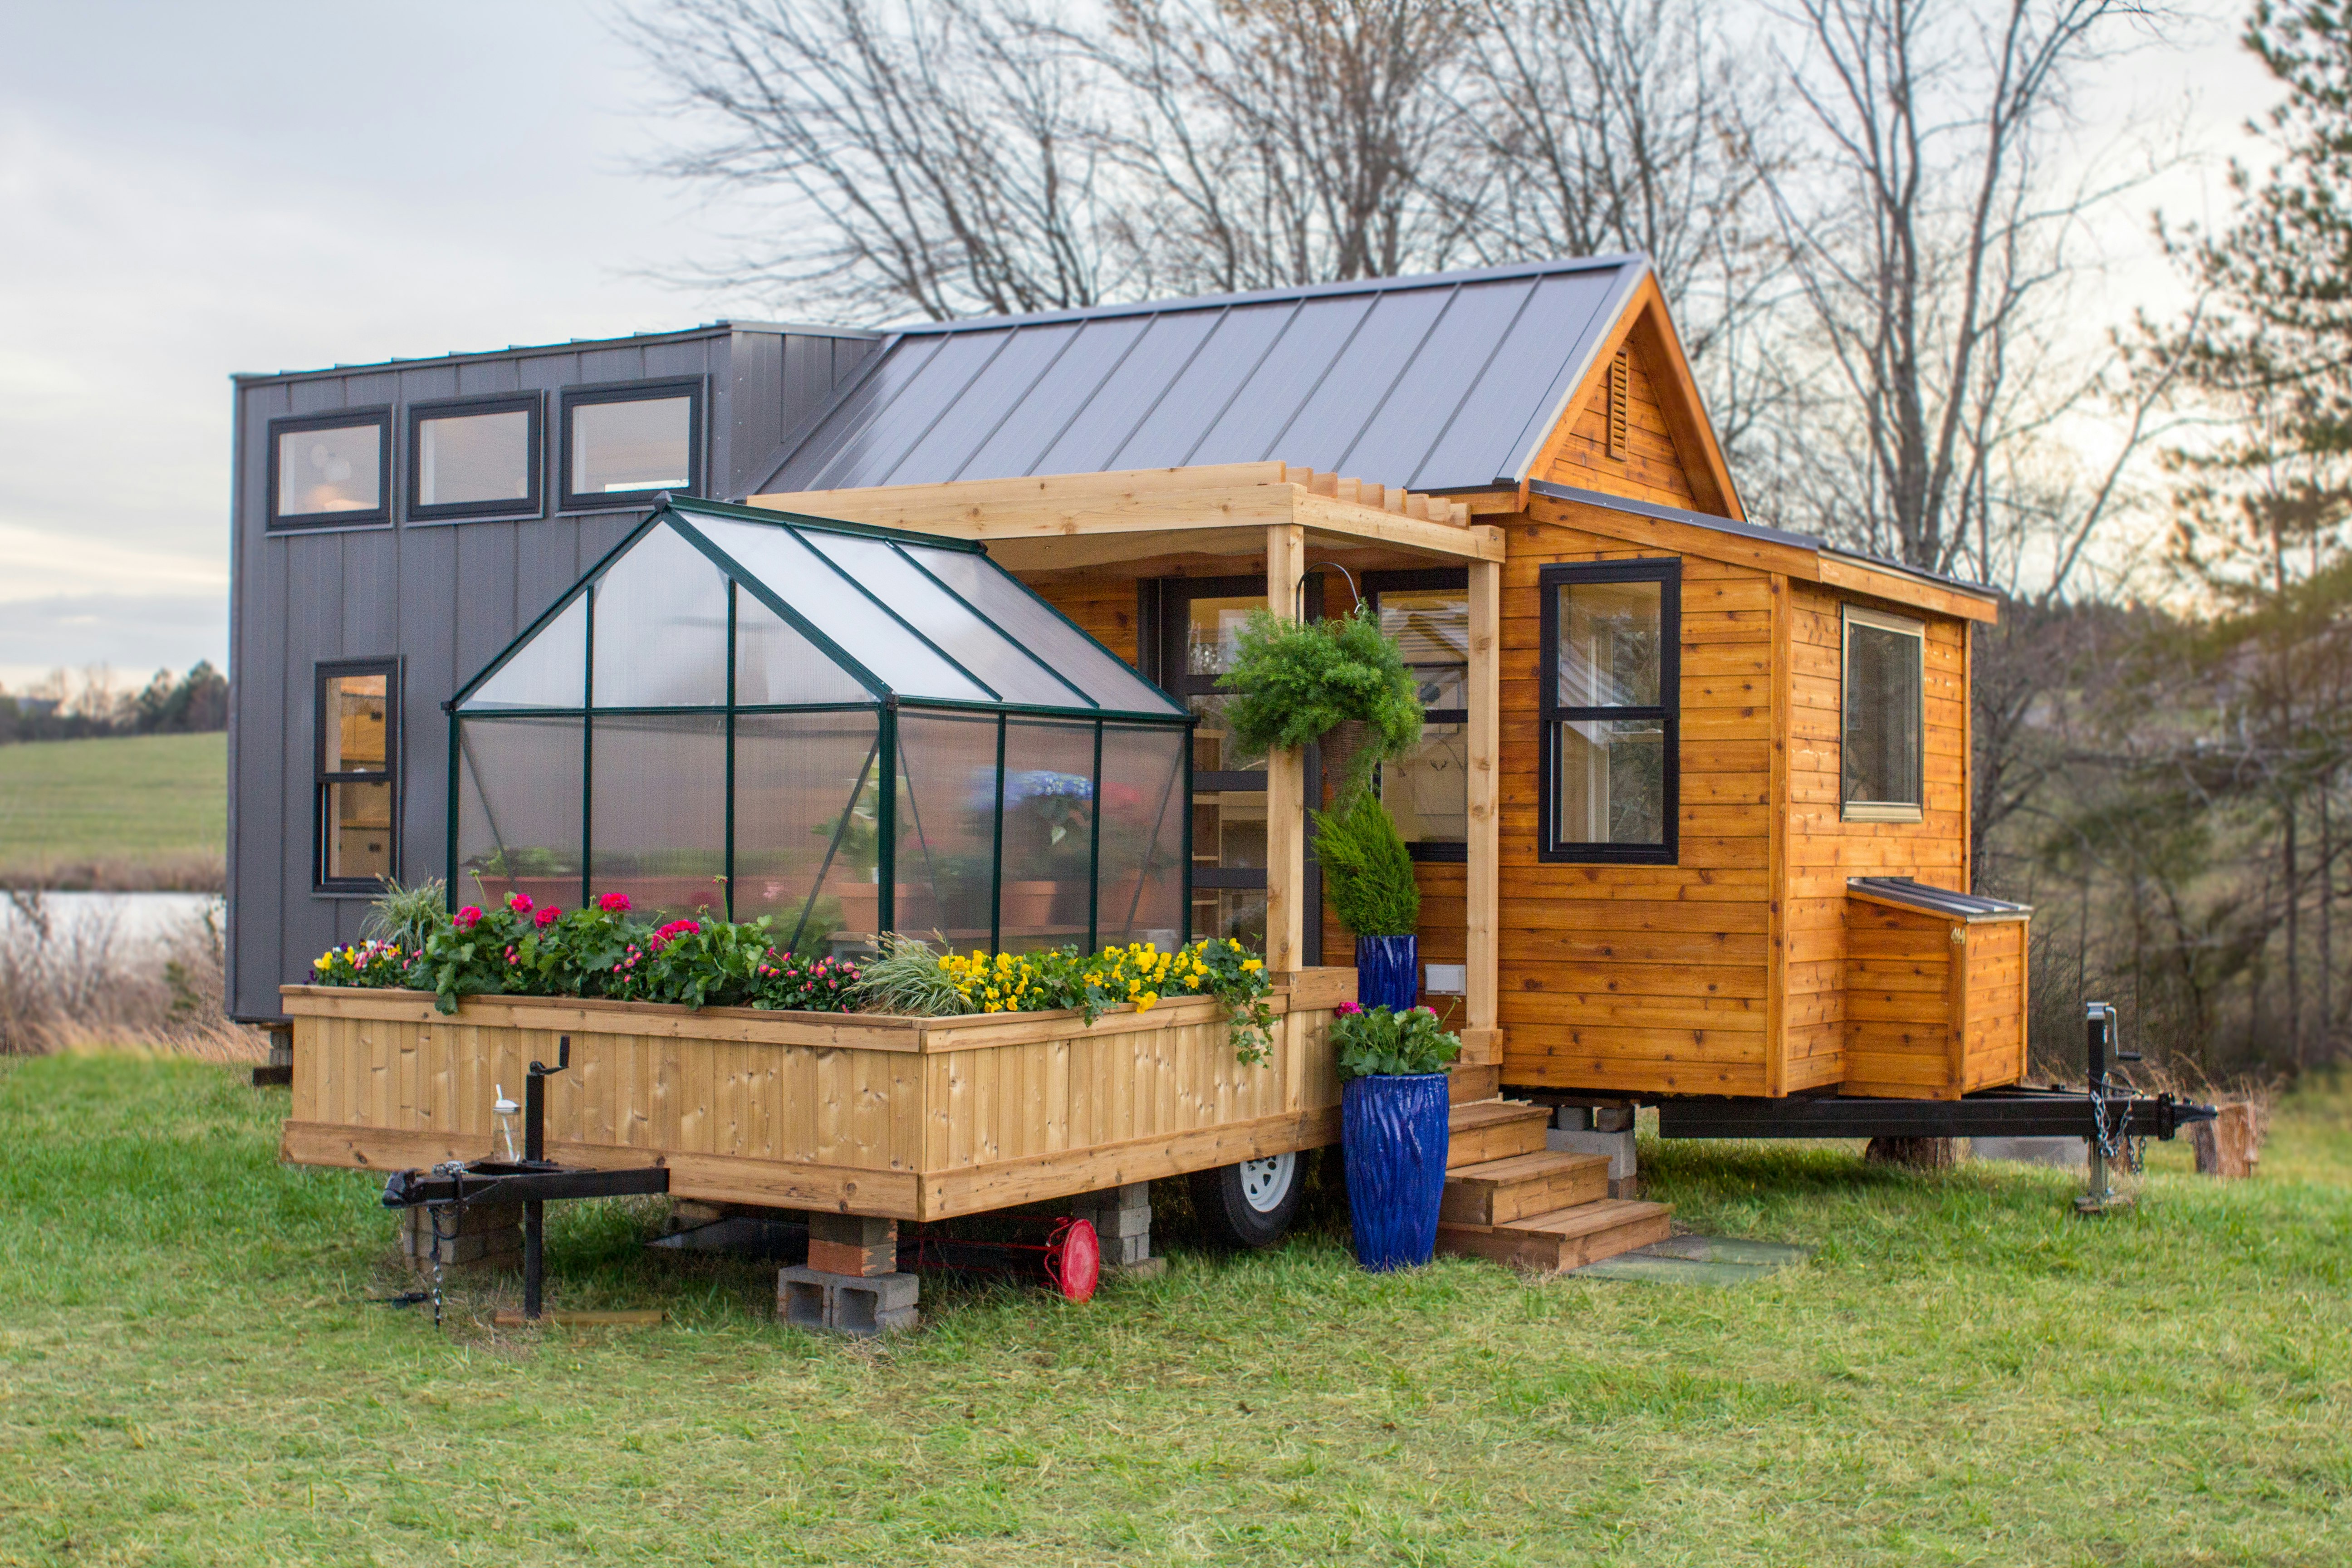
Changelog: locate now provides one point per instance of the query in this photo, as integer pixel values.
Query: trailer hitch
(534, 1180)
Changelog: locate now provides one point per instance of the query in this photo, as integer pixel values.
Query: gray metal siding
(444, 597)
(1439, 383)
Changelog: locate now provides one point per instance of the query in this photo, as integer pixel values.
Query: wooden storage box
(898, 1118)
(1935, 996)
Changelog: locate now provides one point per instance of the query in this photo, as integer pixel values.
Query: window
(1427, 790)
(622, 444)
(359, 839)
(475, 459)
(1611, 637)
(330, 468)
(1884, 705)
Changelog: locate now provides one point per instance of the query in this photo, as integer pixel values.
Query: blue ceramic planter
(1394, 1131)
(1388, 971)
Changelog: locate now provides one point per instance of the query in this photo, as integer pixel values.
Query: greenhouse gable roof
(713, 607)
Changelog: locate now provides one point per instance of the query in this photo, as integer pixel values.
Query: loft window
(328, 469)
(1885, 709)
(624, 443)
(1612, 633)
(358, 832)
(1427, 789)
(475, 459)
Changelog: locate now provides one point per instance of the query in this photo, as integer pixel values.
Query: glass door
(1200, 620)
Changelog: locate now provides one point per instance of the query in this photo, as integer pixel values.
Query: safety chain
(432, 1214)
(2119, 1145)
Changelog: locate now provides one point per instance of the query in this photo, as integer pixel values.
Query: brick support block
(853, 1244)
(480, 1236)
(1122, 1221)
(846, 1304)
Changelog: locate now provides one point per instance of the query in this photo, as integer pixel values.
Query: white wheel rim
(1265, 1183)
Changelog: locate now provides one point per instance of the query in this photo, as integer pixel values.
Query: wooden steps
(1511, 1200)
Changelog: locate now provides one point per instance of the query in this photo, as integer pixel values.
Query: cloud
(134, 634)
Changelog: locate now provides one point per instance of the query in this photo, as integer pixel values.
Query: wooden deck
(896, 1118)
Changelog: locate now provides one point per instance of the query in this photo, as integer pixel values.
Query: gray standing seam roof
(1938, 900)
(1449, 381)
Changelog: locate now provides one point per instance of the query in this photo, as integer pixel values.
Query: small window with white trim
(1884, 739)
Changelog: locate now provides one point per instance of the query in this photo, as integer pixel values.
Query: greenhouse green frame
(926, 674)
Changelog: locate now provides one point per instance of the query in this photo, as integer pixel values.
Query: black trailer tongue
(2113, 1121)
(533, 1181)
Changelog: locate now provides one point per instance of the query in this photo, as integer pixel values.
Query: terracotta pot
(1027, 903)
(544, 892)
(915, 910)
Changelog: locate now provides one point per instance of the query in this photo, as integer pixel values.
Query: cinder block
(1618, 1146)
(847, 1304)
(1113, 1224)
(1572, 1118)
(482, 1237)
(1141, 1268)
(1612, 1119)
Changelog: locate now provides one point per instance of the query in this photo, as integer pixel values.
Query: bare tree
(1291, 142)
(941, 156)
(1939, 253)
(1635, 125)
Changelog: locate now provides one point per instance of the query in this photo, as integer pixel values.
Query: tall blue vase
(1388, 971)
(1393, 1133)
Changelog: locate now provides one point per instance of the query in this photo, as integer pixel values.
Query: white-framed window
(1884, 708)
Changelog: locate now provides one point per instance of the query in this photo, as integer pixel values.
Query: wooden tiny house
(1691, 817)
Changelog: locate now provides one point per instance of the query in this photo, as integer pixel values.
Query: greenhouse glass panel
(1141, 896)
(518, 826)
(775, 665)
(946, 827)
(990, 657)
(1048, 834)
(839, 608)
(549, 671)
(661, 627)
(657, 813)
(806, 831)
(1084, 662)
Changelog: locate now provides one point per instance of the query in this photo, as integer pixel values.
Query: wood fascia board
(1679, 538)
(1901, 588)
(1475, 541)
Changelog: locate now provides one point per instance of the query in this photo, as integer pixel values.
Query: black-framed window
(331, 470)
(358, 773)
(1427, 790)
(1883, 703)
(475, 457)
(1610, 680)
(623, 445)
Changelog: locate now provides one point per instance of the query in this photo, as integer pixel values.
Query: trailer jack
(534, 1180)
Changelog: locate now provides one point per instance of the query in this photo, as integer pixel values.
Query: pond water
(133, 917)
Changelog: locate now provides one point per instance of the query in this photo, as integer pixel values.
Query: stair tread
(1584, 1219)
(1524, 1167)
(1488, 1112)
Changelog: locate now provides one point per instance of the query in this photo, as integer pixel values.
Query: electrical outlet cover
(1446, 979)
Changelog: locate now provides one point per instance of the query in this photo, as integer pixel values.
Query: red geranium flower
(614, 903)
(466, 918)
(548, 916)
(519, 902)
(1347, 1009)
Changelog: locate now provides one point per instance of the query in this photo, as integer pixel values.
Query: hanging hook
(1299, 594)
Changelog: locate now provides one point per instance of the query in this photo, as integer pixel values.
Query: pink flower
(548, 916)
(468, 918)
(519, 902)
(614, 903)
(1349, 1009)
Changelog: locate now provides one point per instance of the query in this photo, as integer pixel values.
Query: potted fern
(1296, 681)
(1394, 1127)
(1368, 872)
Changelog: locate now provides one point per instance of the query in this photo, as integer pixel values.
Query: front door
(1199, 620)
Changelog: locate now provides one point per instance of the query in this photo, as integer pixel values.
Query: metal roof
(1937, 901)
(1449, 381)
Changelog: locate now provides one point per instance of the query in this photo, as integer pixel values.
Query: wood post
(1285, 780)
(1483, 874)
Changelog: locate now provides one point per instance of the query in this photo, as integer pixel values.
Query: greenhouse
(845, 728)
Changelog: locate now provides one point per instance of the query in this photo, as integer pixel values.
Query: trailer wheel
(1250, 1204)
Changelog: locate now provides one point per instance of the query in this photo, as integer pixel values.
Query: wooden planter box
(1936, 1004)
(897, 1118)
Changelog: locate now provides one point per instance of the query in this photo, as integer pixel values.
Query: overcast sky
(194, 189)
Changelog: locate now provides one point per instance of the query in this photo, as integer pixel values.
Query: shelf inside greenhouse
(847, 730)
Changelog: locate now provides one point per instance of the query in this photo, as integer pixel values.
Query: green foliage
(1294, 682)
(909, 981)
(1379, 1042)
(1367, 870)
(404, 916)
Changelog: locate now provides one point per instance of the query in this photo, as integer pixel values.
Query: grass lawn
(191, 1370)
(121, 802)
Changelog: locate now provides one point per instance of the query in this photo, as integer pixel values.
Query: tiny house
(1690, 814)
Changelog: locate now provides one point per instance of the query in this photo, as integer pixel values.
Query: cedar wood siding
(1824, 1034)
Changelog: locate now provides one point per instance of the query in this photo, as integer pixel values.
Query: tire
(1250, 1206)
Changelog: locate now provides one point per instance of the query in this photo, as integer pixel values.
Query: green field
(192, 1370)
(130, 811)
